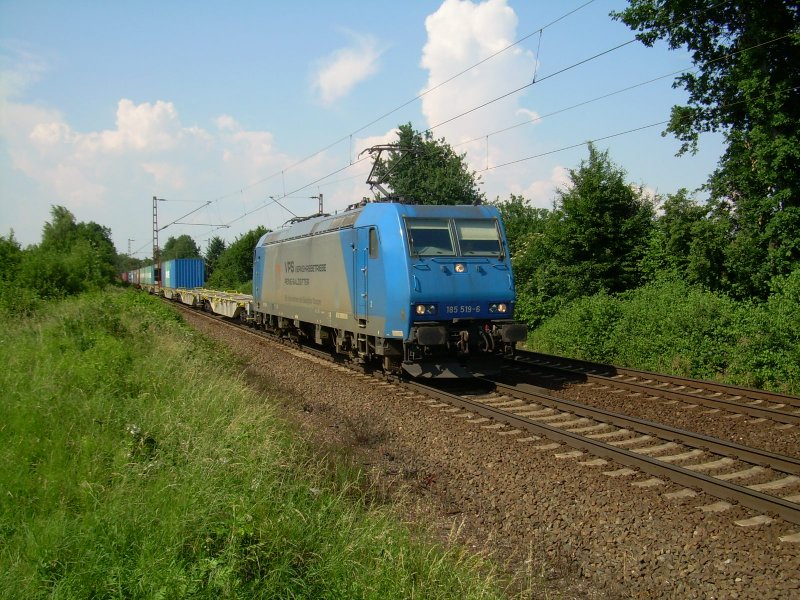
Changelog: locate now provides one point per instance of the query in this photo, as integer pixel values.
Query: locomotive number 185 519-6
(463, 309)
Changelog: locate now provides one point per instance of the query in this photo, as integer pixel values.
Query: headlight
(425, 309)
(498, 307)
(460, 268)
(502, 308)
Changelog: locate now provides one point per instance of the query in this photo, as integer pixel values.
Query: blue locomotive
(415, 287)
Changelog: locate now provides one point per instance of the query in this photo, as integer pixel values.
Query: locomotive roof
(312, 227)
(347, 219)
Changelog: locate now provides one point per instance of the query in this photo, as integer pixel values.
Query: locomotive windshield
(478, 237)
(453, 237)
(430, 237)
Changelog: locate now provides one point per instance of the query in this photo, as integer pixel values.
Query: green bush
(581, 329)
(768, 344)
(669, 326)
(672, 327)
(16, 300)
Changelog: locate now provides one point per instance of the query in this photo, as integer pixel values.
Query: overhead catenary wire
(615, 92)
(532, 83)
(488, 168)
(394, 110)
(350, 164)
(617, 134)
(539, 31)
(568, 108)
(571, 146)
(474, 66)
(349, 136)
(275, 200)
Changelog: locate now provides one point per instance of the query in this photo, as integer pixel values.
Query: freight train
(425, 290)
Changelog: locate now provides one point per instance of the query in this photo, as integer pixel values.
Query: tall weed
(137, 464)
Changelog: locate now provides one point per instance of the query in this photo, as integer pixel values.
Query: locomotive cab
(462, 291)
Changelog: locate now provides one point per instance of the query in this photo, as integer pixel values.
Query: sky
(243, 113)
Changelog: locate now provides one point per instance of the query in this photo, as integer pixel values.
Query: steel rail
(587, 366)
(729, 405)
(779, 462)
(716, 487)
(260, 334)
(772, 414)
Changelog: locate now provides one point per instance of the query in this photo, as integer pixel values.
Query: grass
(138, 464)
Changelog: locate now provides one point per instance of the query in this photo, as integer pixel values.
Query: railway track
(697, 462)
(759, 404)
(765, 482)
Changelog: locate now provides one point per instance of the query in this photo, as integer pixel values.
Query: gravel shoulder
(562, 529)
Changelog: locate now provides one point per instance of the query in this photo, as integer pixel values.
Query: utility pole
(129, 246)
(156, 266)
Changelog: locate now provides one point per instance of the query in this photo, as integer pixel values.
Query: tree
(707, 258)
(672, 237)
(603, 229)
(234, 268)
(525, 225)
(125, 263)
(60, 232)
(72, 257)
(182, 246)
(747, 85)
(216, 246)
(10, 257)
(520, 221)
(593, 241)
(429, 171)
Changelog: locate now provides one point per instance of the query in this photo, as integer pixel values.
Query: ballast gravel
(559, 528)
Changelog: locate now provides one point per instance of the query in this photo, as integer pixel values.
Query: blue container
(183, 273)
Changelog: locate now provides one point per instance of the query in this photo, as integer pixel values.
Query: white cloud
(146, 126)
(542, 192)
(362, 144)
(226, 122)
(148, 152)
(343, 69)
(77, 166)
(460, 34)
(140, 128)
(532, 115)
(166, 174)
(19, 68)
